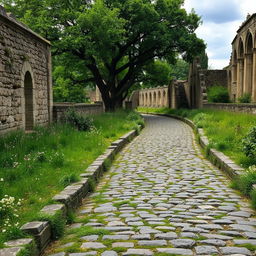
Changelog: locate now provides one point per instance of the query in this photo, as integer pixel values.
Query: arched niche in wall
(240, 71)
(159, 99)
(28, 97)
(248, 63)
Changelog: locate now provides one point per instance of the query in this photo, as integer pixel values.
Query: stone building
(25, 76)
(242, 72)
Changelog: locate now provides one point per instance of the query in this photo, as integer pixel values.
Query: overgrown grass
(225, 130)
(34, 167)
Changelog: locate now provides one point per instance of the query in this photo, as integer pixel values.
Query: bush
(57, 223)
(218, 94)
(249, 143)
(201, 119)
(245, 98)
(75, 119)
(246, 181)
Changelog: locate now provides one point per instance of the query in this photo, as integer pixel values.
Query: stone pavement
(161, 197)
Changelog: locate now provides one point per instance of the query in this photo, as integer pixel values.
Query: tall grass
(34, 167)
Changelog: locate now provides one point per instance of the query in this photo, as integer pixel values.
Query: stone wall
(200, 80)
(88, 109)
(233, 107)
(243, 60)
(215, 77)
(25, 76)
(154, 97)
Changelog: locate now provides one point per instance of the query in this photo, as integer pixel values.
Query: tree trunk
(111, 104)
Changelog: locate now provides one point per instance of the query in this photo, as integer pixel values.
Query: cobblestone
(161, 192)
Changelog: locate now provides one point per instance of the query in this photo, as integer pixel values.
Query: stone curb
(217, 158)
(68, 199)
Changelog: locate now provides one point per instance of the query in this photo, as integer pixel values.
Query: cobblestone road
(161, 197)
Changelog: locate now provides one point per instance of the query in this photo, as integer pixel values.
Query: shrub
(246, 181)
(249, 143)
(57, 223)
(9, 214)
(218, 94)
(253, 197)
(133, 116)
(245, 98)
(80, 122)
(200, 119)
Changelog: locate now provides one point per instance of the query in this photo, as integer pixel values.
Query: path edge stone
(70, 198)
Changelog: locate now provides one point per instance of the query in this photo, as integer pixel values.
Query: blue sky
(221, 19)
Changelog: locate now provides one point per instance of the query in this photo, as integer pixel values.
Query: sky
(221, 19)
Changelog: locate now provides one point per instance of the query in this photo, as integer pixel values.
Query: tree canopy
(111, 41)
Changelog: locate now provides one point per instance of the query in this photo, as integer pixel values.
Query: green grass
(34, 167)
(225, 130)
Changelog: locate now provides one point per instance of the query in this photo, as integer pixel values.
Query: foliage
(109, 42)
(69, 85)
(245, 182)
(155, 74)
(91, 184)
(203, 57)
(245, 98)
(218, 94)
(180, 70)
(201, 119)
(68, 179)
(9, 217)
(32, 163)
(77, 120)
(57, 223)
(249, 143)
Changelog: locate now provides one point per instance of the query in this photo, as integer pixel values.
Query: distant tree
(203, 57)
(114, 40)
(180, 70)
(157, 73)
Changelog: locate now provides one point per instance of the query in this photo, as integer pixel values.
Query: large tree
(113, 39)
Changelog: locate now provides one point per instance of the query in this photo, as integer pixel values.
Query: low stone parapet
(89, 109)
(249, 108)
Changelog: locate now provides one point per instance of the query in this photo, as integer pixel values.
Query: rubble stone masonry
(25, 76)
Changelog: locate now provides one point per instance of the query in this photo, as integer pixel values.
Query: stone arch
(248, 63)
(240, 68)
(28, 101)
(159, 99)
(150, 99)
(141, 99)
(154, 99)
(240, 49)
(164, 99)
(249, 43)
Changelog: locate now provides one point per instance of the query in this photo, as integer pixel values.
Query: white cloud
(221, 20)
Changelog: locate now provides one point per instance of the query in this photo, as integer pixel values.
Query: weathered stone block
(52, 209)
